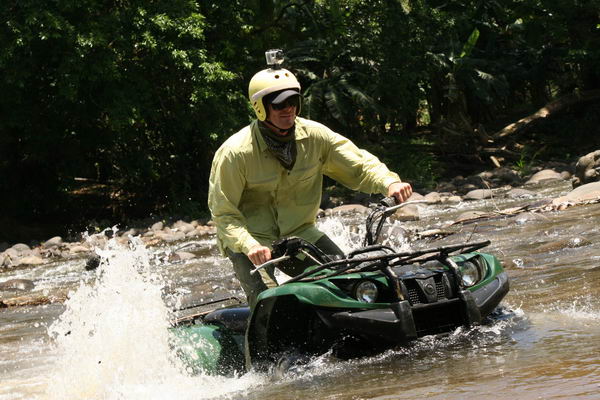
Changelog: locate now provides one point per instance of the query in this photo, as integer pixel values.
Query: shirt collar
(262, 145)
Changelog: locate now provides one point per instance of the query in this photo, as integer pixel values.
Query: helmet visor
(284, 99)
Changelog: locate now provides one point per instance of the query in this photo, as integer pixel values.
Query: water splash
(350, 236)
(583, 309)
(112, 341)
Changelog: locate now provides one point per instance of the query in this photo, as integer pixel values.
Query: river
(110, 341)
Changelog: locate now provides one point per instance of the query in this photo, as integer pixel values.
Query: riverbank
(496, 183)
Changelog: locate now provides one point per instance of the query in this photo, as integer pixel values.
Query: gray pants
(253, 284)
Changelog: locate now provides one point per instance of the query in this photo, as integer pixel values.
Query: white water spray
(113, 340)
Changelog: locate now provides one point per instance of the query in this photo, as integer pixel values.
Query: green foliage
(136, 95)
(119, 92)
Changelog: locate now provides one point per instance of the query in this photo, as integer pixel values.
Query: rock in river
(17, 285)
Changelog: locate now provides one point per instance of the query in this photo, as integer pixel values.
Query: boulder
(479, 194)
(587, 169)
(587, 192)
(56, 241)
(21, 248)
(544, 175)
(158, 226)
(433, 197)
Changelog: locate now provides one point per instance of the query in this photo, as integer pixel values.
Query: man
(266, 180)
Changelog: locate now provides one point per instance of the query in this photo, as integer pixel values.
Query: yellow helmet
(266, 82)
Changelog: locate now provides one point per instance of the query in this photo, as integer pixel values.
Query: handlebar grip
(388, 202)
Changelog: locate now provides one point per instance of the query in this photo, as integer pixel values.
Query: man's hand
(259, 254)
(401, 191)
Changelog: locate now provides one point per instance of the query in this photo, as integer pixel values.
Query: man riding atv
(266, 180)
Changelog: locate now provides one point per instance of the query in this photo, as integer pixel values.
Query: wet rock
(158, 226)
(78, 248)
(501, 176)
(470, 215)
(479, 194)
(433, 197)
(518, 193)
(587, 192)
(21, 248)
(131, 232)
(570, 243)
(182, 226)
(20, 285)
(408, 213)
(170, 236)
(451, 198)
(416, 196)
(587, 169)
(56, 241)
(544, 175)
(31, 260)
(92, 263)
(192, 233)
(349, 209)
(11, 254)
(183, 256)
(468, 187)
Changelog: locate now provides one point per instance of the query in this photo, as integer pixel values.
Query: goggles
(292, 101)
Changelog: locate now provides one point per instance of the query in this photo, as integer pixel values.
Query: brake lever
(270, 262)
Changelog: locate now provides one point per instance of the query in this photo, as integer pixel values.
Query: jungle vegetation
(112, 110)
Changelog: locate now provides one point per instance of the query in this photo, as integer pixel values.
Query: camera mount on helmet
(274, 58)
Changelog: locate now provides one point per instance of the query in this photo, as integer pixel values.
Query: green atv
(370, 300)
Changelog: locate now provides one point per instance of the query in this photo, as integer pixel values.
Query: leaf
(470, 44)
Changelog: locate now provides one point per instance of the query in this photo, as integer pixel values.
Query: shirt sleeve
(355, 168)
(226, 185)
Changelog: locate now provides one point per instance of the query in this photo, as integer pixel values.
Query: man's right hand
(259, 255)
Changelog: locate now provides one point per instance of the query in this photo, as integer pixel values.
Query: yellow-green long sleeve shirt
(254, 200)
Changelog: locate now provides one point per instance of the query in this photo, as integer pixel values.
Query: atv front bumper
(402, 322)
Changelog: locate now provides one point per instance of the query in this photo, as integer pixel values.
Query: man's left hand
(401, 191)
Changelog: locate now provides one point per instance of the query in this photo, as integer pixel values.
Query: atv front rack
(352, 263)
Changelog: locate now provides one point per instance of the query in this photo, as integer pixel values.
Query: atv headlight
(469, 274)
(365, 291)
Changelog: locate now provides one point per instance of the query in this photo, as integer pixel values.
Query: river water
(110, 341)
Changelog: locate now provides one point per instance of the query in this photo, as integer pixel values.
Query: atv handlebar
(282, 248)
(380, 212)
